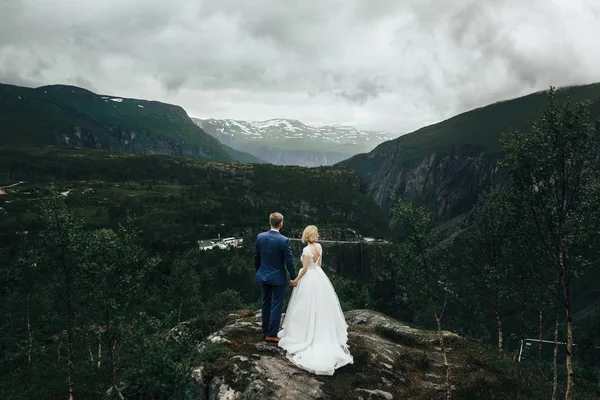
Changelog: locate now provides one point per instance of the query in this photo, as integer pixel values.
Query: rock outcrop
(448, 184)
(391, 361)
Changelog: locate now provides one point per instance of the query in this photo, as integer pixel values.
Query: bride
(314, 332)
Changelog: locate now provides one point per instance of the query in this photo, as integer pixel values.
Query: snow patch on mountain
(274, 129)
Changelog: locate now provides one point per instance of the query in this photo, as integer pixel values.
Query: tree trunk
(555, 361)
(498, 324)
(30, 338)
(112, 357)
(567, 298)
(99, 364)
(523, 307)
(541, 335)
(179, 312)
(30, 345)
(69, 316)
(569, 392)
(68, 311)
(444, 356)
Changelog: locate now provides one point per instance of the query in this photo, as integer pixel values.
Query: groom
(272, 251)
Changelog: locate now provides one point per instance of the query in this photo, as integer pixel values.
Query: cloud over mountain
(386, 65)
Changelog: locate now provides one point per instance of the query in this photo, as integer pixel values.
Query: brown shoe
(272, 339)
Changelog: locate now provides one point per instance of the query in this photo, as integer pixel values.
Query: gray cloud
(385, 64)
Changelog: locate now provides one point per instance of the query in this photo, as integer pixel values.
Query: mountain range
(445, 166)
(290, 142)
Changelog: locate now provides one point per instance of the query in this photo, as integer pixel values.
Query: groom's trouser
(272, 304)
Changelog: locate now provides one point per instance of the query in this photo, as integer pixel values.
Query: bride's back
(314, 253)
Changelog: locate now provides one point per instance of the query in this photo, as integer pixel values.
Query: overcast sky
(393, 65)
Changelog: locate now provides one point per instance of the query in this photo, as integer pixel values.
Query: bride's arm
(304, 268)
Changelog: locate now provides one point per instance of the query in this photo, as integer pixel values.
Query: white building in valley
(223, 244)
(206, 244)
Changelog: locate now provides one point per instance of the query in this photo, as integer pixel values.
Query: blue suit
(272, 255)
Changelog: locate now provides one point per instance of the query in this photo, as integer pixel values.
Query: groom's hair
(275, 219)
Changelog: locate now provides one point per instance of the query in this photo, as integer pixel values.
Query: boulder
(391, 361)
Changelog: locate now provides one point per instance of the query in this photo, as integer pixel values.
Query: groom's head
(276, 220)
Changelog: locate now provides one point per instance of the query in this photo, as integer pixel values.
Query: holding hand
(294, 282)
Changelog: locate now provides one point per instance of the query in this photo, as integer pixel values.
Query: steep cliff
(448, 183)
(447, 165)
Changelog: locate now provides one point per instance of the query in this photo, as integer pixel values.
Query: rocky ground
(391, 361)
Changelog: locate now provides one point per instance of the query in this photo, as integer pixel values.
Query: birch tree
(553, 167)
(425, 269)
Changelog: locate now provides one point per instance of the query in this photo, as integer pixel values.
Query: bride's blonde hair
(310, 234)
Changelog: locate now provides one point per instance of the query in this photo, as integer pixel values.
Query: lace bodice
(314, 256)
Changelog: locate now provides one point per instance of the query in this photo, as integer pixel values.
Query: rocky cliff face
(391, 361)
(114, 137)
(448, 183)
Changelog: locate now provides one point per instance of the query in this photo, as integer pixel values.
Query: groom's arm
(257, 255)
(289, 260)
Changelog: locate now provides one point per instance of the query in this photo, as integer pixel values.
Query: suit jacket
(272, 251)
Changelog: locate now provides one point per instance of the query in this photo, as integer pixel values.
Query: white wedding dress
(315, 333)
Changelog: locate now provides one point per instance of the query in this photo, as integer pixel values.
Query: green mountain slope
(447, 165)
(70, 116)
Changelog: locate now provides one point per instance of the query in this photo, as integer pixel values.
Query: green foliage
(426, 269)
(500, 377)
(163, 370)
(588, 340)
(213, 352)
(423, 263)
(178, 201)
(226, 301)
(554, 170)
(490, 238)
(494, 257)
(119, 299)
(352, 295)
